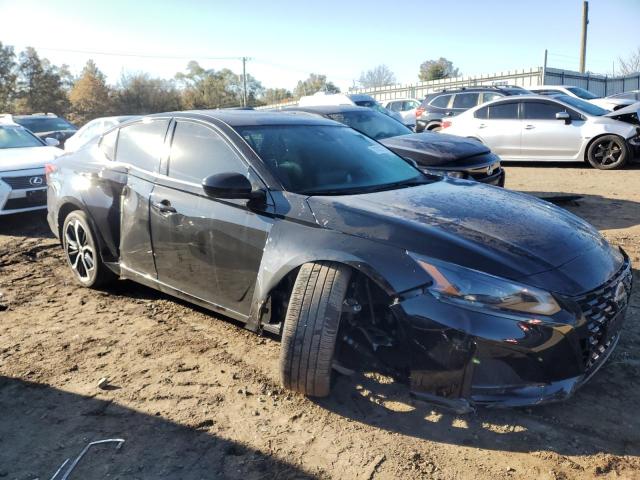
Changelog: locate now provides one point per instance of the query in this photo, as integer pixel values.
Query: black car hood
(489, 229)
(435, 149)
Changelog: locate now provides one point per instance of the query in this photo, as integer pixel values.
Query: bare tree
(631, 64)
(377, 77)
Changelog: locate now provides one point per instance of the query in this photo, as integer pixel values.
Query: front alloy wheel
(607, 152)
(81, 251)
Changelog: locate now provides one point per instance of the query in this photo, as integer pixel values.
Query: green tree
(379, 76)
(139, 93)
(8, 77)
(315, 83)
(276, 95)
(40, 87)
(437, 69)
(90, 96)
(207, 88)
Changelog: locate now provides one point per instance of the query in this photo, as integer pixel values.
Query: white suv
(22, 178)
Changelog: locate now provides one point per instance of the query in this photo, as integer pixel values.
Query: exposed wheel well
(370, 334)
(433, 124)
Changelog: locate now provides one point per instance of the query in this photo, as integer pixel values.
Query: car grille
(23, 183)
(601, 309)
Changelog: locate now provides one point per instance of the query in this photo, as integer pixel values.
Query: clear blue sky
(289, 39)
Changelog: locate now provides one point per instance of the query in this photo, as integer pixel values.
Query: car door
(499, 127)
(209, 248)
(546, 138)
(408, 111)
(140, 147)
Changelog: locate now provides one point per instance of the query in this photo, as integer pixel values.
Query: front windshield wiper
(370, 189)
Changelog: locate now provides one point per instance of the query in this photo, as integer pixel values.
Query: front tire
(608, 152)
(311, 327)
(82, 253)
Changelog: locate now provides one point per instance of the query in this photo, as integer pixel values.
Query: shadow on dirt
(42, 426)
(30, 224)
(567, 165)
(601, 212)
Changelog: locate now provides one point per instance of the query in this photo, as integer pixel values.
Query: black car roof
(245, 118)
(327, 109)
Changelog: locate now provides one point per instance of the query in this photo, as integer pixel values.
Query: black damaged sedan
(300, 226)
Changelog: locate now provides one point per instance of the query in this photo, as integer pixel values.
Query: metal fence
(599, 84)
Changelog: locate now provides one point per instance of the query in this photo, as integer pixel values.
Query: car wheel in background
(81, 250)
(311, 327)
(434, 127)
(607, 152)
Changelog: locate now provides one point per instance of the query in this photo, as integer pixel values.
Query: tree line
(30, 84)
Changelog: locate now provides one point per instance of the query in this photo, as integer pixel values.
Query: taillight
(419, 111)
(446, 124)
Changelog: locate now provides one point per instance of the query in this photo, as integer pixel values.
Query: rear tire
(311, 327)
(82, 252)
(608, 152)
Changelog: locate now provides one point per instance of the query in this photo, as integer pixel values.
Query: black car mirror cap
(229, 185)
(563, 116)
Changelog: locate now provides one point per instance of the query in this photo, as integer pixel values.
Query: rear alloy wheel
(81, 250)
(311, 327)
(607, 152)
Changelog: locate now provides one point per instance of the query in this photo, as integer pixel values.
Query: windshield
(45, 124)
(372, 124)
(582, 93)
(328, 160)
(586, 107)
(17, 137)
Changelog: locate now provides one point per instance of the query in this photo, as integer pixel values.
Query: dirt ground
(195, 396)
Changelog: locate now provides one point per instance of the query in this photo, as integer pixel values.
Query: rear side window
(503, 111)
(542, 110)
(197, 152)
(441, 102)
(141, 144)
(108, 144)
(465, 100)
(488, 96)
(481, 112)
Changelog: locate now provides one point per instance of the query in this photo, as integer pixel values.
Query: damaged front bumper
(460, 359)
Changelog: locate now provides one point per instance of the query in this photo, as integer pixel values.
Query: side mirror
(564, 116)
(228, 185)
(52, 142)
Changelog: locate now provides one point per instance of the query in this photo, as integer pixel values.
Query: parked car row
(294, 223)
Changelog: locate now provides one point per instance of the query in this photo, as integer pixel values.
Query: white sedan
(406, 107)
(94, 129)
(559, 128)
(22, 178)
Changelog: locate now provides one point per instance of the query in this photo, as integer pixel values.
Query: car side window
(503, 111)
(481, 112)
(198, 151)
(542, 110)
(408, 105)
(108, 144)
(141, 144)
(488, 96)
(441, 102)
(465, 100)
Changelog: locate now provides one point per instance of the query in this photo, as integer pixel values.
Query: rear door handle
(482, 125)
(529, 127)
(164, 206)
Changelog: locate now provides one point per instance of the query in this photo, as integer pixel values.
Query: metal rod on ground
(583, 41)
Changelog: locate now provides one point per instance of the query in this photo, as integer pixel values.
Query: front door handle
(164, 206)
(529, 127)
(482, 125)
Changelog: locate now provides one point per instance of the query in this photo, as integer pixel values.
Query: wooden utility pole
(244, 81)
(583, 41)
